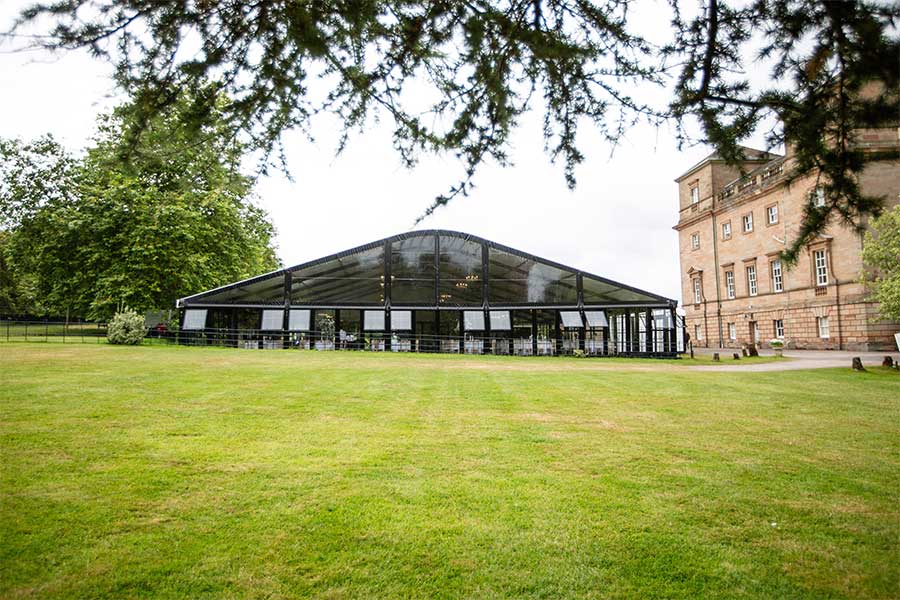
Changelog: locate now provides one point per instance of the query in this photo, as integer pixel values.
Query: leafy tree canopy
(881, 256)
(150, 214)
(457, 76)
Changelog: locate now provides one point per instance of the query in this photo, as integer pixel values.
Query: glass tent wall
(435, 291)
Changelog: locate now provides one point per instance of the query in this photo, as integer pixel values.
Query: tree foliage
(17, 293)
(457, 76)
(142, 219)
(881, 256)
(33, 175)
(833, 73)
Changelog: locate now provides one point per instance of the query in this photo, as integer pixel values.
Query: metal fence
(657, 343)
(12, 330)
(662, 342)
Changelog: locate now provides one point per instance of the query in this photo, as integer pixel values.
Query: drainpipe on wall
(786, 302)
(837, 300)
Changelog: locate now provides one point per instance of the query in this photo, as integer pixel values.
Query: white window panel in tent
(194, 319)
(373, 320)
(272, 320)
(401, 320)
(571, 319)
(500, 320)
(596, 318)
(473, 320)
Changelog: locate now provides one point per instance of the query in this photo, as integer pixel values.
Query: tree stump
(888, 362)
(716, 356)
(753, 351)
(857, 364)
(737, 356)
(744, 351)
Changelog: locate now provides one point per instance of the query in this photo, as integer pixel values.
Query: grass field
(173, 472)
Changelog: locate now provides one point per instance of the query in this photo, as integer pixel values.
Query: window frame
(818, 196)
(747, 220)
(820, 271)
(698, 332)
(777, 277)
(778, 325)
(769, 209)
(824, 332)
(726, 235)
(695, 193)
(752, 281)
(698, 290)
(729, 284)
(732, 331)
(695, 241)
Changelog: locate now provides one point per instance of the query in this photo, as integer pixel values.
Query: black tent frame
(281, 292)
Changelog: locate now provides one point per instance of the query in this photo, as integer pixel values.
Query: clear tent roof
(433, 268)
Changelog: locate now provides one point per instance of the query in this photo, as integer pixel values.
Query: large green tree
(33, 175)
(457, 76)
(881, 256)
(148, 215)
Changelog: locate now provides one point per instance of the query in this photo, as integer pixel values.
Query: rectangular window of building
(751, 280)
(695, 241)
(821, 268)
(695, 194)
(726, 230)
(732, 331)
(747, 221)
(698, 294)
(818, 196)
(698, 332)
(729, 284)
(778, 327)
(777, 278)
(822, 323)
(772, 214)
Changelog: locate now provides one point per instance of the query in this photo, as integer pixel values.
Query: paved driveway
(800, 359)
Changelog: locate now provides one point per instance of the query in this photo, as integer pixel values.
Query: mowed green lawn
(173, 472)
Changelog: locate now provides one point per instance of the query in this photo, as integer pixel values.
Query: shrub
(776, 343)
(126, 327)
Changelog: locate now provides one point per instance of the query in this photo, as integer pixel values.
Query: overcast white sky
(617, 223)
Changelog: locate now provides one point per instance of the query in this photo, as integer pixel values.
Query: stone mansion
(735, 288)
